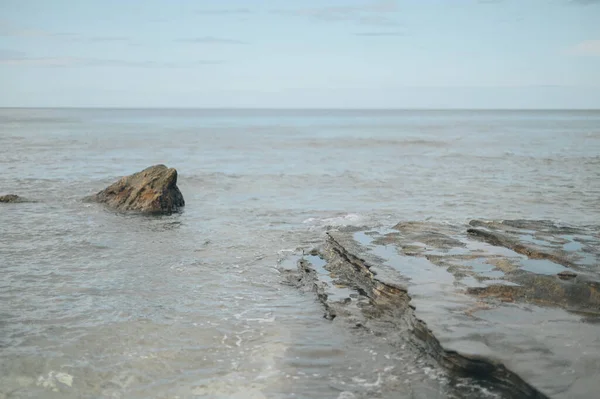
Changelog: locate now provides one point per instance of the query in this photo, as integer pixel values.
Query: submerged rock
(11, 198)
(153, 190)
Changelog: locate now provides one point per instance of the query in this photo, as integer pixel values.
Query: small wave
(209, 175)
(349, 143)
(349, 219)
(367, 384)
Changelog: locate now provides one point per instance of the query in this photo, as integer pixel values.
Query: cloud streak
(18, 58)
(379, 34)
(224, 11)
(11, 30)
(99, 39)
(585, 2)
(8, 29)
(586, 48)
(6, 54)
(377, 20)
(572, 2)
(210, 40)
(374, 13)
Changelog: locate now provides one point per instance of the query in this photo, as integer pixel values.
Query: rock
(481, 300)
(11, 198)
(566, 275)
(153, 190)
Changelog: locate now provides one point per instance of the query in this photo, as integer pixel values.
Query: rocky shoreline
(514, 303)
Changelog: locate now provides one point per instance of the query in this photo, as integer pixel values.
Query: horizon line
(297, 108)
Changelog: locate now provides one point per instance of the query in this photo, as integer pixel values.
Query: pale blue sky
(309, 53)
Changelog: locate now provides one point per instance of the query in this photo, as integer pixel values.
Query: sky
(300, 54)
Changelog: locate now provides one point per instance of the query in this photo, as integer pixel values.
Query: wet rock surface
(153, 190)
(11, 199)
(515, 304)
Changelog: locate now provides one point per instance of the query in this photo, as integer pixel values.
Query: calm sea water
(98, 304)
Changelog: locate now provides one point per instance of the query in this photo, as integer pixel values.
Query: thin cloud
(585, 2)
(224, 11)
(323, 14)
(373, 13)
(9, 57)
(572, 2)
(6, 54)
(379, 34)
(210, 40)
(383, 6)
(586, 48)
(41, 61)
(129, 41)
(109, 39)
(377, 20)
(9, 29)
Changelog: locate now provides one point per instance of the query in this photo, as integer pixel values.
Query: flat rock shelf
(515, 303)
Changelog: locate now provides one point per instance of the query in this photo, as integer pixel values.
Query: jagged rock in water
(11, 198)
(153, 190)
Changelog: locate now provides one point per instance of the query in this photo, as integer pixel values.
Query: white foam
(364, 382)
(263, 319)
(223, 389)
(65, 378)
(52, 378)
(350, 219)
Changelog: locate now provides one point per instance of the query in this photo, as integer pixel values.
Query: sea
(100, 304)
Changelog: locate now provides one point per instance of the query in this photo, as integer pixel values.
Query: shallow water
(95, 303)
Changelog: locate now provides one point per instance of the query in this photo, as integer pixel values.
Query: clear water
(98, 304)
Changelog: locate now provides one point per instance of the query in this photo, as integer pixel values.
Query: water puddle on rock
(335, 292)
(363, 238)
(418, 270)
(487, 249)
(577, 243)
(528, 238)
(484, 269)
(572, 246)
(542, 266)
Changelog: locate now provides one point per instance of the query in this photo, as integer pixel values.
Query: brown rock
(153, 190)
(11, 198)
(566, 275)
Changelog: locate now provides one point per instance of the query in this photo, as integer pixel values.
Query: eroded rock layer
(515, 303)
